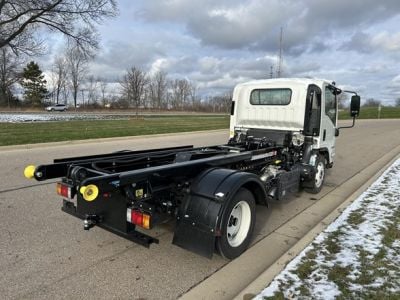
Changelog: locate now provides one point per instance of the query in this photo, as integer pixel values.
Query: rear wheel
(318, 180)
(237, 225)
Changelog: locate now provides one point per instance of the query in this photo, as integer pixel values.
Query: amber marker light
(146, 221)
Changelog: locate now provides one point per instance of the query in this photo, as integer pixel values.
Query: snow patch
(52, 117)
(356, 240)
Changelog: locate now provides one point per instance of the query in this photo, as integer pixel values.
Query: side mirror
(337, 132)
(355, 106)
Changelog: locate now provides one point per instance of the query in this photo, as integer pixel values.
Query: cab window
(330, 104)
(271, 96)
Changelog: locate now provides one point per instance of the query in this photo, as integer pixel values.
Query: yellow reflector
(277, 162)
(146, 221)
(89, 192)
(29, 171)
(58, 188)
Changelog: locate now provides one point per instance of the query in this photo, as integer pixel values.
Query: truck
(282, 139)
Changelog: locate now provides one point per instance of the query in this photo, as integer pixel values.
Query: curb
(250, 273)
(101, 140)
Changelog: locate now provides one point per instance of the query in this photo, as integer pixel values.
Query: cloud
(386, 41)
(255, 24)
(381, 41)
(122, 54)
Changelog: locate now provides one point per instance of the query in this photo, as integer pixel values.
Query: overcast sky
(217, 44)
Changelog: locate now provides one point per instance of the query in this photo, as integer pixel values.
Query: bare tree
(92, 85)
(9, 75)
(158, 89)
(221, 103)
(103, 87)
(194, 98)
(371, 102)
(133, 86)
(181, 89)
(77, 62)
(59, 77)
(75, 19)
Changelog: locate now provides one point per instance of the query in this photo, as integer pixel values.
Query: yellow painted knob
(29, 171)
(90, 192)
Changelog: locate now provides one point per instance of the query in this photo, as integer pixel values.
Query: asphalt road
(45, 253)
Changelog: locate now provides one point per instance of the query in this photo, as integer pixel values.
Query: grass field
(29, 133)
(372, 113)
(42, 132)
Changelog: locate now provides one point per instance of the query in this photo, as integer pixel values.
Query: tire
(237, 225)
(319, 178)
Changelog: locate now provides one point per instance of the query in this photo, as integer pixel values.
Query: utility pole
(280, 59)
(271, 73)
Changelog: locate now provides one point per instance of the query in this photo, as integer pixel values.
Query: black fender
(199, 217)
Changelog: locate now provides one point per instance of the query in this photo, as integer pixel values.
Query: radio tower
(280, 59)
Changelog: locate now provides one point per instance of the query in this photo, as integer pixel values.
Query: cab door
(328, 120)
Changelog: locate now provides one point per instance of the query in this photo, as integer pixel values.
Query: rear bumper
(131, 234)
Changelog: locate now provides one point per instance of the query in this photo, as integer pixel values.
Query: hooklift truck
(282, 138)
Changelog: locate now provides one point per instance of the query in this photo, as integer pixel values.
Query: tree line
(69, 82)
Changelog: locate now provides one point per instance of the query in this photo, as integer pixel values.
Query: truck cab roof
(285, 82)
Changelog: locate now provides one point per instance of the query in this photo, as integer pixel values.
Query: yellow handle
(90, 192)
(29, 171)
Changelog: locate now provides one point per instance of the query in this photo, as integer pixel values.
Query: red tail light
(138, 218)
(65, 190)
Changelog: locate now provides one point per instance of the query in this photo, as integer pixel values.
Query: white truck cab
(305, 107)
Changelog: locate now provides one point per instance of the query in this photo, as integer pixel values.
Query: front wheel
(237, 225)
(318, 180)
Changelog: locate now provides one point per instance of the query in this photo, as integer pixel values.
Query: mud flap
(195, 229)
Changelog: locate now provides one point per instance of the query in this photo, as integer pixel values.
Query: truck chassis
(194, 186)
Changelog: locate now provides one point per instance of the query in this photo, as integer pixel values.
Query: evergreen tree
(34, 84)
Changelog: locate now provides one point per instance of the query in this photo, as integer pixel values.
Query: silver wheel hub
(238, 223)
(319, 176)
